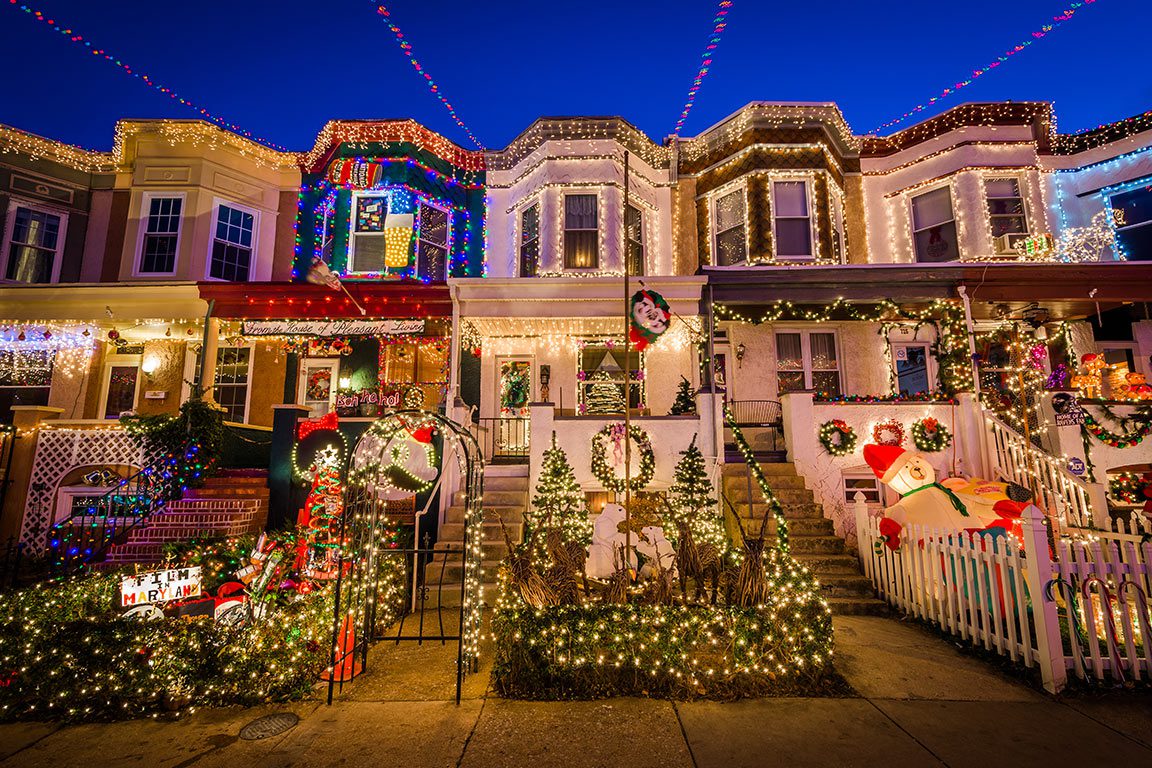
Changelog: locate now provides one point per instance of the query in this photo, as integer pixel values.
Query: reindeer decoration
(696, 561)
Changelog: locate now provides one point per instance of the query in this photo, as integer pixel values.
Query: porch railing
(503, 439)
(765, 415)
(1058, 491)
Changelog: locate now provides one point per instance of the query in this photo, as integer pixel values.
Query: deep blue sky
(281, 69)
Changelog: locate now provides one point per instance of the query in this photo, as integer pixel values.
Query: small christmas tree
(691, 502)
(325, 506)
(685, 402)
(603, 395)
(559, 502)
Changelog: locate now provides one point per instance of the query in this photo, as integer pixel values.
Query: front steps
(506, 501)
(814, 543)
(226, 505)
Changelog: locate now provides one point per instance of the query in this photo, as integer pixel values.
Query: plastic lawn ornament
(953, 504)
(397, 237)
(651, 317)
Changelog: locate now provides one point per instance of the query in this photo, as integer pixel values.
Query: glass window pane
(581, 249)
(580, 212)
(1002, 187)
(827, 382)
(931, 208)
(789, 356)
(121, 390)
(793, 237)
(730, 211)
(937, 243)
(911, 369)
(433, 225)
(370, 213)
(1136, 243)
(1133, 207)
(530, 241)
(823, 348)
(1007, 225)
(790, 198)
(730, 247)
(789, 381)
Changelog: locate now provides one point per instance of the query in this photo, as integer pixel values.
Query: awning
(288, 301)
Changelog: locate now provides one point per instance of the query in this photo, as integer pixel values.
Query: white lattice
(58, 452)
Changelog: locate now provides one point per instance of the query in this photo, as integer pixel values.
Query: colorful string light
(406, 47)
(1057, 21)
(718, 25)
(79, 39)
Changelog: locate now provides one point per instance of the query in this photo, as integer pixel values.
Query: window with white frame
(530, 241)
(581, 232)
(1005, 207)
(865, 482)
(231, 383)
(432, 242)
(634, 232)
(1132, 218)
(161, 234)
(791, 222)
(934, 226)
(33, 245)
(837, 202)
(807, 360)
(729, 223)
(367, 247)
(232, 239)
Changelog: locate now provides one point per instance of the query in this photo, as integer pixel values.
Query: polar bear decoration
(608, 540)
(953, 504)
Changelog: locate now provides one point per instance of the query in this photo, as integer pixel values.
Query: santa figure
(954, 504)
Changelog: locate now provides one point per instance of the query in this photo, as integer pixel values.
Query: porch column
(971, 438)
(710, 438)
(542, 422)
(280, 511)
(210, 347)
(26, 420)
(799, 435)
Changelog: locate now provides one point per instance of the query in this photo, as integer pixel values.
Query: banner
(160, 586)
(333, 327)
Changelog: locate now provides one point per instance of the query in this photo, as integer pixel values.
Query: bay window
(33, 245)
(530, 241)
(791, 220)
(432, 242)
(729, 222)
(232, 243)
(581, 232)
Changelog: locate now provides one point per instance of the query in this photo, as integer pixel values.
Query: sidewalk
(921, 702)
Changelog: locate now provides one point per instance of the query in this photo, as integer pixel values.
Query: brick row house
(813, 274)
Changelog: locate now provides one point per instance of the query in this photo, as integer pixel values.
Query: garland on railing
(754, 466)
(914, 397)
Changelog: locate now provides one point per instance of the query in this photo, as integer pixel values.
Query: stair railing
(753, 467)
(84, 537)
(1057, 491)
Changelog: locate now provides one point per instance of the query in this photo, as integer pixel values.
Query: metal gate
(387, 592)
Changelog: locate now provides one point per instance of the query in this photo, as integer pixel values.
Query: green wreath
(605, 474)
(930, 435)
(837, 437)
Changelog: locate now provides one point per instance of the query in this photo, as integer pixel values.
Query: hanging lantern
(397, 236)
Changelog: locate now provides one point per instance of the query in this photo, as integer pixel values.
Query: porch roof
(562, 298)
(101, 302)
(294, 301)
(1067, 290)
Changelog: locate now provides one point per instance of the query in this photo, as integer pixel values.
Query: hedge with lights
(680, 651)
(67, 654)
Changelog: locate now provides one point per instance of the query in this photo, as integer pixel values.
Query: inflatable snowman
(954, 504)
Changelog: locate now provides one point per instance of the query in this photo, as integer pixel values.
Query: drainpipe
(971, 326)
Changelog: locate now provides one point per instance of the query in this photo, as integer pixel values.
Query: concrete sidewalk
(921, 702)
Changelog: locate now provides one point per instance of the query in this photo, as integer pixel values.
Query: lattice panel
(58, 452)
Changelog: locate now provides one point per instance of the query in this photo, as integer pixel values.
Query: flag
(320, 274)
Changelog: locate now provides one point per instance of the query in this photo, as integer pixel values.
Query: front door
(515, 392)
(121, 382)
(317, 388)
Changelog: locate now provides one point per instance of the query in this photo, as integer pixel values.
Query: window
(34, 245)
(581, 232)
(837, 203)
(1132, 217)
(933, 227)
(405, 368)
(729, 221)
(912, 361)
(1005, 207)
(232, 243)
(366, 252)
(862, 482)
(231, 391)
(994, 363)
(530, 241)
(601, 378)
(634, 229)
(791, 225)
(25, 379)
(1121, 353)
(161, 234)
(807, 360)
(121, 380)
(432, 242)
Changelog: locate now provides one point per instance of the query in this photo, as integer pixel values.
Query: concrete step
(493, 482)
(791, 511)
(739, 495)
(739, 481)
(846, 585)
(491, 514)
(496, 498)
(816, 545)
(802, 526)
(825, 564)
(449, 572)
(857, 606)
(770, 469)
(491, 531)
(491, 549)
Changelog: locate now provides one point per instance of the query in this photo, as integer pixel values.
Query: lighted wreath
(930, 435)
(888, 432)
(613, 435)
(837, 437)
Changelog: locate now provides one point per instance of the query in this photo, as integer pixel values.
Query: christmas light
(718, 24)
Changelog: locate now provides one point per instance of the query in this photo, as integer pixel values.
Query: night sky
(282, 69)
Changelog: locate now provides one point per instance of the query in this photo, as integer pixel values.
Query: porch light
(149, 364)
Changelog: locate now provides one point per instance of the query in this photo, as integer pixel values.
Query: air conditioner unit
(1006, 244)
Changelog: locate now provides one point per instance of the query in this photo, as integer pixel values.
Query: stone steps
(509, 514)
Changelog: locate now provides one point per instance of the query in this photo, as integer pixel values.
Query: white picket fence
(1020, 602)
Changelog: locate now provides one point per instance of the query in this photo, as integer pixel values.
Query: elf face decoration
(651, 317)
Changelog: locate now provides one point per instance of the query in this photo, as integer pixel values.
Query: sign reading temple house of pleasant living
(332, 327)
(160, 586)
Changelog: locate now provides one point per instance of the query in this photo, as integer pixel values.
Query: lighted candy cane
(1109, 620)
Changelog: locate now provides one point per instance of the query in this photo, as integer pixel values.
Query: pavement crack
(906, 732)
(684, 734)
(475, 725)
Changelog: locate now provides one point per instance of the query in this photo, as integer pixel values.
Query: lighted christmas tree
(603, 395)
(691, 502)
(558, 502)
(685, 402)
(324, 505)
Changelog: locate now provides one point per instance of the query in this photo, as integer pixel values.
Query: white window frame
(809, 188)
(114, 361)
(1023, 197)
(251, 347)
(10, 221)
(862, 473)
(1111, 193)
(806, 353)
(642, 239)
(912, 222)
(357, 194)
(190, 372)
(581, 192)
(420, 204)
(145, 206)
(518, 236)
(714, 199)
(929, 362)
(254, 260)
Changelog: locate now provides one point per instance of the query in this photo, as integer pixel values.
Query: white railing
(1058, 492)
(1085, 612)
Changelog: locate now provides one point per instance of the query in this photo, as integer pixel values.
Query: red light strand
(718, 25)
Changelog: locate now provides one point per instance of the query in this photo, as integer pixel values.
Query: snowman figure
(607, 539)
(955, 504)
